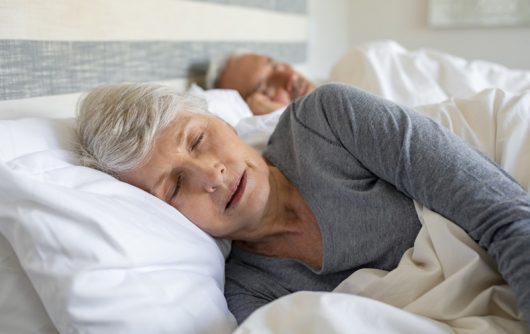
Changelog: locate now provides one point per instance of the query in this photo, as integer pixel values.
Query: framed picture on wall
(479, 13)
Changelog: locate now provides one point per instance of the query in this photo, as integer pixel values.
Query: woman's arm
(434, 167)
(248, 288)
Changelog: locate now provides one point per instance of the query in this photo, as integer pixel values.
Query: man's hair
(118, 124)
(217, 66)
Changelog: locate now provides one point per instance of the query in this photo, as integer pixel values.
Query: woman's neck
(284, 218)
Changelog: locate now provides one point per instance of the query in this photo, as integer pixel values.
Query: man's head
(261, 80)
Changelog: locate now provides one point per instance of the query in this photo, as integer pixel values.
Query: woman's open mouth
(238, 193)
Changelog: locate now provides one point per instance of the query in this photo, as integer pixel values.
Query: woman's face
(201, 167)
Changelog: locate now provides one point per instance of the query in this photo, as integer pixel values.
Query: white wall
(329, 35)
(337, 25)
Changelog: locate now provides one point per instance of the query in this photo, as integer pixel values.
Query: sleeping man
(264, 83)
(332, 193)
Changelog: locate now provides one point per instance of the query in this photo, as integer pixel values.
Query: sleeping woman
(332, 193)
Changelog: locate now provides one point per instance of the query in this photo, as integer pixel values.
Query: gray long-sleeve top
(358, 161)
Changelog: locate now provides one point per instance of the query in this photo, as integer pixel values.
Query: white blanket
(422, 76)
(446, 283)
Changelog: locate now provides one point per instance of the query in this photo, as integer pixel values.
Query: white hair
(217, 66)
(118, 124)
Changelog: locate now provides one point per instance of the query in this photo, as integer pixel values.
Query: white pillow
(256, 130)
(225, 103)
(104, 256)
(21, 311)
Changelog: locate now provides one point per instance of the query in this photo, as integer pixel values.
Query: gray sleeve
(240, 300)
(248, 288)
(431, 165)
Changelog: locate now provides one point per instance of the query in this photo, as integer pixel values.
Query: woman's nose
(211, 174)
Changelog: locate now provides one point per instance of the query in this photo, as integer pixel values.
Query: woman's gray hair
(118, 124)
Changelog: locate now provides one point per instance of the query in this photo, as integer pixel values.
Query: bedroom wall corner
(329, 35)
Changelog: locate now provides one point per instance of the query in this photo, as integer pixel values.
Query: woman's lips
(238, 193)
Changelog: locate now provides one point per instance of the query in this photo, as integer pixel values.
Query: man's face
(251, 74)
(201, 167)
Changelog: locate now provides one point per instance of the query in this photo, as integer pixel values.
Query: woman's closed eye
(194, 145)
(197, 141)
(178, 183)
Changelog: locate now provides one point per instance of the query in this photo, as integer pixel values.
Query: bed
(81, 252)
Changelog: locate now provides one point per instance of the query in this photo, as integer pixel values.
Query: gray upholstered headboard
(66, 46)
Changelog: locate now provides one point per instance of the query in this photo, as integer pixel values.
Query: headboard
(67, 46)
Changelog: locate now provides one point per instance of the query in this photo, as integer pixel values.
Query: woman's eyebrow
(180, 137)
(179, 140)
(183, 129)
(159, 184)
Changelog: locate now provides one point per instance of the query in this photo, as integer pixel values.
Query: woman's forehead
(182, 120)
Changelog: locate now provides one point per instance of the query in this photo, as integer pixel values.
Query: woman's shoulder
(319, 113)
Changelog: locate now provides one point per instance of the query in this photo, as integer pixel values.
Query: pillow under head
(103, 256)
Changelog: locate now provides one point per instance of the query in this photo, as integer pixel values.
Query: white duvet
(446, 283)
(423, 76)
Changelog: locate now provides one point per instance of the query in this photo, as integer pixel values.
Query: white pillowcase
(256, 130)
(21, 311)
(225, 103)
(104, 256)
